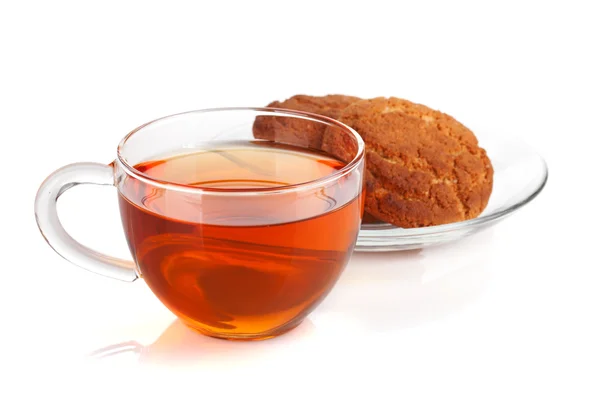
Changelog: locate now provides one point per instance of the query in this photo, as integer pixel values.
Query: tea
(230, 264)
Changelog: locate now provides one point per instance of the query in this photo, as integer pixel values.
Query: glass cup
(236, 219)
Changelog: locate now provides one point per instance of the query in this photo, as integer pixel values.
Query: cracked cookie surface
(423, 167)
(298, 131)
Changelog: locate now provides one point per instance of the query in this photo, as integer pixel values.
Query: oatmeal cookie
(299, 131)
(423, 167)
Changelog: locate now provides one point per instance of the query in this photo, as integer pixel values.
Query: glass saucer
(519, 176)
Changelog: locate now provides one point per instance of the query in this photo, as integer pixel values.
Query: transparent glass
(235, 219)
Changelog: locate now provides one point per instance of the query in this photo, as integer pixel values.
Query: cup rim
(133, 172)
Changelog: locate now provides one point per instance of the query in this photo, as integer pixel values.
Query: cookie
(298, 131)
(369, 219)
(423, 167)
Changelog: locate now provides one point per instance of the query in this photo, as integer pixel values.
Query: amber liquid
(232, 266)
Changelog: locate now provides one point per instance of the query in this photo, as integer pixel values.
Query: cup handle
(49, 224)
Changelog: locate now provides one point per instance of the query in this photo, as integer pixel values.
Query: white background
(513, 312)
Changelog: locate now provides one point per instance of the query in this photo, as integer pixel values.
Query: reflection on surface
(179, 344)
(384, 291)
(378, 292)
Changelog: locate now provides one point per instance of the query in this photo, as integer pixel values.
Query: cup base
(246, 337)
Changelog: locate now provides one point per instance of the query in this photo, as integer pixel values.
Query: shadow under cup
(237, 220)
